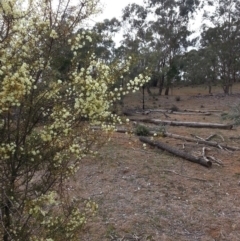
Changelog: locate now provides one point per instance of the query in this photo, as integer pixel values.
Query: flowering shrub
(45, 121)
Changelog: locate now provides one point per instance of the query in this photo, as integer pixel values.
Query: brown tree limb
(214, 135)
(194, 178)
(200, 141)
(146, 112)
(120, 130)
(207, 158)
(182, 123)
(201, 111)
(181, 112)
(176, 152)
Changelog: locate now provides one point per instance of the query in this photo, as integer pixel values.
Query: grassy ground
(149, 194)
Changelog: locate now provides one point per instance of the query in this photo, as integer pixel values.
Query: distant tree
(199, 67)
(170, 36)
(223, 39)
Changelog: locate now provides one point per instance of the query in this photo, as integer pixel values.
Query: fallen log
(120, 130)
(177, 152)
(181, 112)
(182, 123)
(159, 110)
(190, 113)
(202, 111)
(194, 178)
(201, 141)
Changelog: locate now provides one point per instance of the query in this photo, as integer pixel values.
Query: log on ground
(177, 152)
(185, 123)
(202, 111)
(180, 112)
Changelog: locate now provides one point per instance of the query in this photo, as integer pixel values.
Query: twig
(213, 135)
(198, 137)
(210, 137)
(203, 154)
(220, 147)
(167, 116)
(209, 143)
(219, 162)
(194, 178)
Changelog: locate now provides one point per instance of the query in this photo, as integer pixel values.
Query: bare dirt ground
(149, 194)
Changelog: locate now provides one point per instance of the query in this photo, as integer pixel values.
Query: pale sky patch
(113, 8)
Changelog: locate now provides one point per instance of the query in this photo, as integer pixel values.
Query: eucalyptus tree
(136, 40)
(199, 67)
(223, 39)
(101, 44)
(170, 36)
(136, 36)
(102, 35)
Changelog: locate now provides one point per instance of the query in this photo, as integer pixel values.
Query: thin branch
(193, 178)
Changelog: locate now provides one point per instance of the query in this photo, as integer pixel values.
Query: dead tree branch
(204, 113)
(182, 123)
(200, 141)
(201, 111)
(194, 178)
(177, 152)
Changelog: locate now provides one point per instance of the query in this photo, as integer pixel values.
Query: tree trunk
(167, 90)
(148, 89)
(161, 83)
(209, 89)
(177, 152)
(7, 221)
(226, 89)
(143, 97)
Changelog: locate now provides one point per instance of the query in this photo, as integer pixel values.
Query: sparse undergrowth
(148, 194)
(142, 130)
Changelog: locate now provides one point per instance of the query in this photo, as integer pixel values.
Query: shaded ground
(148, 194)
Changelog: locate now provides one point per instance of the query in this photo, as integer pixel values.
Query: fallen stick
(182, 123)
(120, 130)
(219, 162)
(180, 112)
(177, 152)
(200, 141)
(202, 111)
(214, 135)
(190, 113)
(194, 178)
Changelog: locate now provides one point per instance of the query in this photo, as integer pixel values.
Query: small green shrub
(174, 108)
(177, 98)
(234, 114)
(161, 130)
(142, 130)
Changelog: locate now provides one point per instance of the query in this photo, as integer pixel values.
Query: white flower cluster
(49, 118)
(53, 34)
(10, 7)
(35, 206)
(6, 150)
(79, 41)
(14, 86)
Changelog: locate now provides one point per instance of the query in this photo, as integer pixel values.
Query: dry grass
(148, 194)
